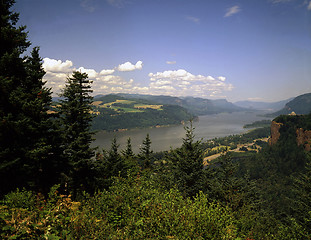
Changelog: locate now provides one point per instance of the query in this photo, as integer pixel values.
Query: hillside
(114, 112)
(271, 106)
(196, 106)
(299, 105)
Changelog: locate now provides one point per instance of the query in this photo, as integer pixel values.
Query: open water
(207, 127)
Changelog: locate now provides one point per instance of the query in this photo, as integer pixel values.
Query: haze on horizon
(238, 50)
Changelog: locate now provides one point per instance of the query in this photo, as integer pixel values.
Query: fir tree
(115, 163)
(23, 104)
(76, 120)
(128, 152)
(145, 154)
(130, 159)
(186, 164)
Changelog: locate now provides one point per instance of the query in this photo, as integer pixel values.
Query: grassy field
(138, 107)
(145, 106)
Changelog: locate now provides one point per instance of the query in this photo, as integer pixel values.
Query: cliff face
(303, 137)
(275, 133)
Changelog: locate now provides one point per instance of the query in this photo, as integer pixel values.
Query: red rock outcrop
(275, 133)
(304, 138)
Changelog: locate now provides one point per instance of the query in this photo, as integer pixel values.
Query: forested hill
(196, 106)
(299, 105)
(114, 112)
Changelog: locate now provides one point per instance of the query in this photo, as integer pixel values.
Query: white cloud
(104, 82)
(193, 19)
(172, 82)
(233, 10)
(180, 82)
(222, 78)
(170, 62)
(126, 67)
(52, 65)
(90, 72)
(106, 71)
(309, 6)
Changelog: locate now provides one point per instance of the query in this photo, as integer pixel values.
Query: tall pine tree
(186, 164)
(76, 120)
(145, 153)
(24, 100)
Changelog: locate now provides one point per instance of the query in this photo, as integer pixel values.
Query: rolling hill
(115, 112)
(196, 106)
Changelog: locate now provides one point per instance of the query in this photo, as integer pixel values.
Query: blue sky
(245, 49)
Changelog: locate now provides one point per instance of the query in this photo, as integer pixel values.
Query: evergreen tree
(186, 164)
(76, 120)
(23, 104)
(128, 152)
(145, 154)
(45, 154)
(115, 163)
(130, 159)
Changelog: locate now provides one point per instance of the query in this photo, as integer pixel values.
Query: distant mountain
(299, 105)
(196, 106)
(271, 106)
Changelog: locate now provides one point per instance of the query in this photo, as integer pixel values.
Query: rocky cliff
(275, 133)
(303, 137)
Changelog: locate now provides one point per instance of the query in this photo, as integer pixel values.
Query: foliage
(131, 209)
(145, 154)
(185, 165)
(256, 124)
(76, 121)
(28, 156)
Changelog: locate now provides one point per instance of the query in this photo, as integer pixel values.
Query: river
(207, 127)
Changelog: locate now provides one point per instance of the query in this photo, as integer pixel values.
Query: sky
(257, 50)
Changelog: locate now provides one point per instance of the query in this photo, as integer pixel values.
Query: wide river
(207, 127)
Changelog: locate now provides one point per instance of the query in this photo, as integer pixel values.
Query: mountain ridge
(195, 105)
(299, 105)
(258, 105)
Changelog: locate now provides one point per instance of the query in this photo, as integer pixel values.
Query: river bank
(163, 138)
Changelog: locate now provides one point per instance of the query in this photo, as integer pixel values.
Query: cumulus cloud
(126, 67)
(106, 71)
(233, 10)
(172, 82)
(90, 72)
(222, 78)
(52, 65)
(180, 82)
(104, 82)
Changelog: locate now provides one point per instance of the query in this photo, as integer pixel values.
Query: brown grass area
(145, 106)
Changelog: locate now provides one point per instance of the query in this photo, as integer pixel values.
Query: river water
(207, 127)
